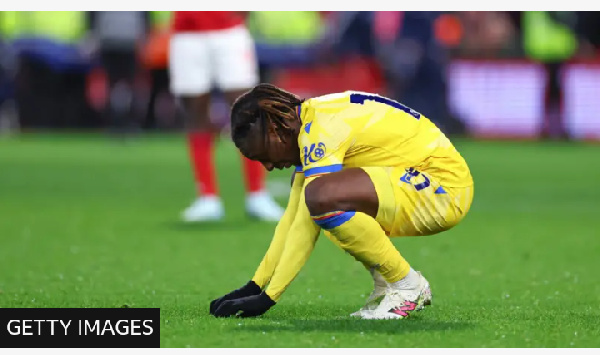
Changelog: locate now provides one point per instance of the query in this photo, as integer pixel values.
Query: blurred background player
(214, 49)
(118, 34)
(161, 110)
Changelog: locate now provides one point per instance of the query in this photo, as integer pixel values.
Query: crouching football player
(367, 168)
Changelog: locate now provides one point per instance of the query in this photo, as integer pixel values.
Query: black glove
(249, 289)
(251, 306)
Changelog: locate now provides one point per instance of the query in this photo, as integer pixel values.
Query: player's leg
(120, 77)
(190, 72)
(201, 138)
(236, 72)
(347, 204)
(421, 206)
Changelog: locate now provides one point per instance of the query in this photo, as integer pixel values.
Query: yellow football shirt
(357, 129)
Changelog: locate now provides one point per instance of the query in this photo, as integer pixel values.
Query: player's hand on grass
(249, 289)
(251, 306)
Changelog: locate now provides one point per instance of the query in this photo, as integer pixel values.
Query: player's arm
(273, 255)
(265, 270)
(300, 243)
(298, 246)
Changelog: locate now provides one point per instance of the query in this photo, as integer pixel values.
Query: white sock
(409, 282)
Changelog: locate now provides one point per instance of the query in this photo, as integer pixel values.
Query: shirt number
(361, 98)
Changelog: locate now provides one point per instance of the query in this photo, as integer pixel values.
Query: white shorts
(223, 58)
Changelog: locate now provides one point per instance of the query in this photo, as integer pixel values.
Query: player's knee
(324, 206)
(318, 199)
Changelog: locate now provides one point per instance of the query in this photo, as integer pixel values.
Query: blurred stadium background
(489, 74)
(89, 205)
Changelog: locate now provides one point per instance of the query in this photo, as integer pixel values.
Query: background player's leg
(201, 134)
(191, 72)
(121, 68)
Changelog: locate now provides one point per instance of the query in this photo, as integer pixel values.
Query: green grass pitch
(86, 221)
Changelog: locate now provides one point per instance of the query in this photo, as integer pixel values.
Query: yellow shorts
(413, 203)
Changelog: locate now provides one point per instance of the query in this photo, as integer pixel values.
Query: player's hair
(266, 106)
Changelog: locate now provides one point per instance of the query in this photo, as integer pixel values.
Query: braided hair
(266, 106)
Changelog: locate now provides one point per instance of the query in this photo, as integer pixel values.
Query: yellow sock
(362, 237)
(371, 270)
(335, 241)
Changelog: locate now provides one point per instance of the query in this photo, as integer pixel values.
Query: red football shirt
(198, 21)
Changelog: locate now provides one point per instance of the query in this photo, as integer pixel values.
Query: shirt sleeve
(324, 144)
(265, 270)
(300, 242)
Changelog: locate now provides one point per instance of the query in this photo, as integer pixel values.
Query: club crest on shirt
(313, 153)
